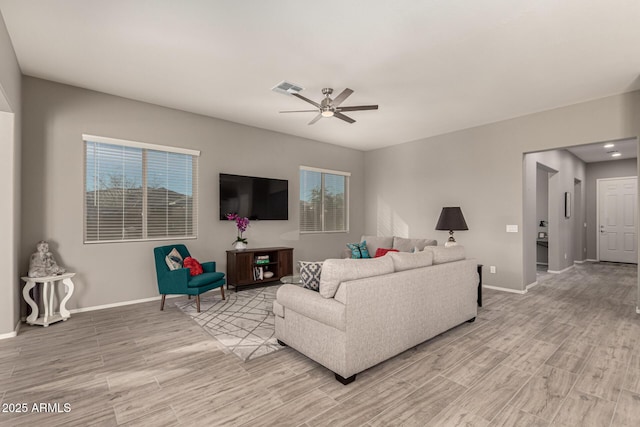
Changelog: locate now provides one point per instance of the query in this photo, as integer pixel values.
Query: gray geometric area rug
(244, 322)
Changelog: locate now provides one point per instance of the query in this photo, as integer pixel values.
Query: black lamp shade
(451, 219)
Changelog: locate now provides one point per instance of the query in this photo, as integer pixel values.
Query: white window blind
(324, 201)
(137, 191)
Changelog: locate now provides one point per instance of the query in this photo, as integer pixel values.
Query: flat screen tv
(254, 197)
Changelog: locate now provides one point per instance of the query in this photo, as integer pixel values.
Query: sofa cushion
(359, 250)
(336, 271)
(407, 261)
(310, 274)
(407, 245)
(383, 251)
(443, 254)
(375, 242)
(204, 279)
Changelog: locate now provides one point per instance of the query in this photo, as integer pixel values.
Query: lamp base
(450, 243)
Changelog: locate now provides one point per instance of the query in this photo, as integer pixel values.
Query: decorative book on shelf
(262, 259)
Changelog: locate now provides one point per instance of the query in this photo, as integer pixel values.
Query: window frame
(323, 172)
(86, 138)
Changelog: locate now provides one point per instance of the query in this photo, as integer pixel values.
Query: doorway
(617, 219)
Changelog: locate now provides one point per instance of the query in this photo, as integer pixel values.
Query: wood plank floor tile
(456, 416)
(602, 378)
(422, 405)
(545, 392)
(296, 411)
(362, 407)
(136, 365)
(628, 410)
(511, 416)
(580, 409)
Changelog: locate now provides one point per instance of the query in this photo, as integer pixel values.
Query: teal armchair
(180, 282)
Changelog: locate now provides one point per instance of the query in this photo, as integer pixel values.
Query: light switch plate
(512, 228)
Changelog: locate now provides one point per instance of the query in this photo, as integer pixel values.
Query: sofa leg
(346, 381)
(282, 344)
(198, 303)
(222, 291)
(189, 296)
(471, 320)
(162, 302)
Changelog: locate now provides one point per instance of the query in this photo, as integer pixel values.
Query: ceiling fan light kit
(330, 107)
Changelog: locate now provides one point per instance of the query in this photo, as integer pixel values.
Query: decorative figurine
(42, 263)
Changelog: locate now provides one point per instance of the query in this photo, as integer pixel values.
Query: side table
(48, 289)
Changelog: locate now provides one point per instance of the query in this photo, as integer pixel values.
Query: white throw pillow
(174, 259)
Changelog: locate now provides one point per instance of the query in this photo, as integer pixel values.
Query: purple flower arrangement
(242, 223)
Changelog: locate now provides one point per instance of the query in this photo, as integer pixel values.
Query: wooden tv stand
(243, 266)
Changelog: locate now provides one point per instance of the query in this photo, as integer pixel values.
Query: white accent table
(48, 289)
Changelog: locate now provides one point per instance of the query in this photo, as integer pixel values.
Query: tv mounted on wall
(254, 197)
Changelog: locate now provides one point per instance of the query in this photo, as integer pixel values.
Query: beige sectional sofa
(368, 310)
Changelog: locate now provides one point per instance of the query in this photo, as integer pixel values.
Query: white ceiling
(433, 66)
(597, 152)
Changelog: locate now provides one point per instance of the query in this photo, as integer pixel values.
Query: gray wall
(564, 169)
(542, 210)
(56, 116)
(595, 171)
(10, 108)
(481, 170)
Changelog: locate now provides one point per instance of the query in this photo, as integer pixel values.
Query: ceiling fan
(331, 107)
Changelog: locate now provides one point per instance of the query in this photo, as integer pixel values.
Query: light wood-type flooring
(565, 354)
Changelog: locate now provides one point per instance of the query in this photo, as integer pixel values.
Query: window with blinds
(138, 191)
(324, 201)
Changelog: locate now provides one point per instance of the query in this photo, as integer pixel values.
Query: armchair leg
(162, 302)
(222, 291)
(198, 303)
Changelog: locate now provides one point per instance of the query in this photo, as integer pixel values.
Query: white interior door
(617, 219)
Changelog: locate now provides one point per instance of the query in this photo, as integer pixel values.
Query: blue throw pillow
(359, 250)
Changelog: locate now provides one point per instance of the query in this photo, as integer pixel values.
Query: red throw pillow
(193, 265)
(383, 251)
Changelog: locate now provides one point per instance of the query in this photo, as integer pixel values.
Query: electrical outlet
(492, 269)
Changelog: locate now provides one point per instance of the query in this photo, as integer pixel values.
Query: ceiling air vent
(287, 88)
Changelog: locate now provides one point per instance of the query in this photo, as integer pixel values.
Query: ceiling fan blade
(359, 108)
(297, 95)
(299, 111)
(343, 95)
(343, 117)
(315, 119)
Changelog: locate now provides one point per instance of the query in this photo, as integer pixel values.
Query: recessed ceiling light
(609, 145)
(616, 154)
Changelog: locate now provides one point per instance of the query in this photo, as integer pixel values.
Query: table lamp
(451, 219)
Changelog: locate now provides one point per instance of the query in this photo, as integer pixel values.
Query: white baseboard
(497, 288)
(580, 262)
(561, 271)
(12, 334)
(531, 285)
(119, 304)
(591, 260)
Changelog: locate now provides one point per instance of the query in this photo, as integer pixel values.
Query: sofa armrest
(310, 304)
(209, 267)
